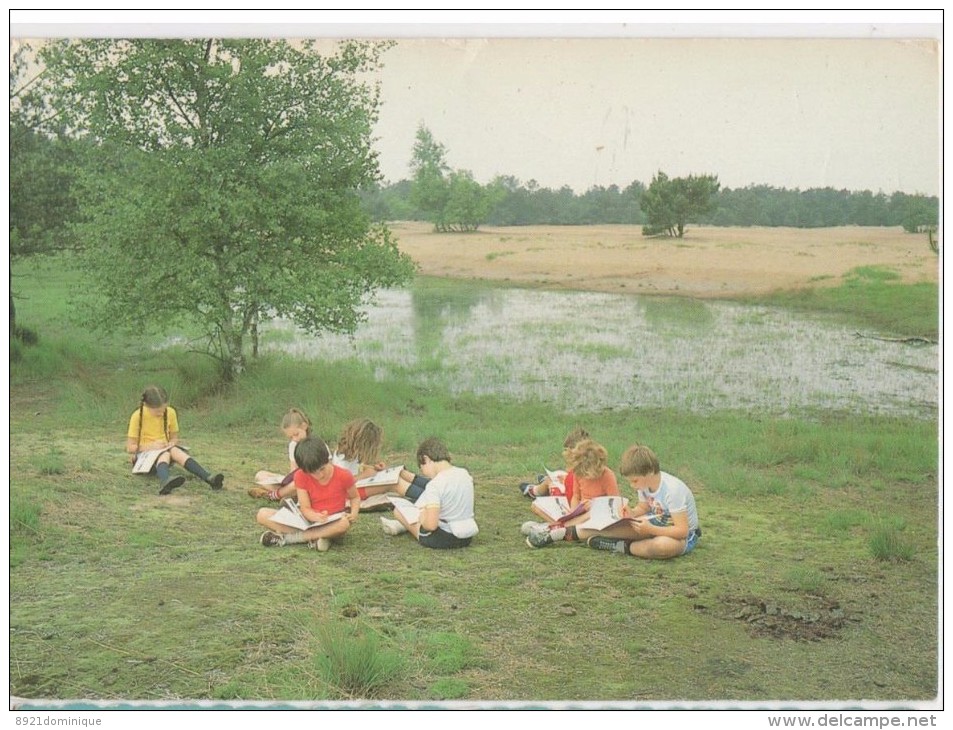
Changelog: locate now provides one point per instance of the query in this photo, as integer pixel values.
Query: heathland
(816, 579)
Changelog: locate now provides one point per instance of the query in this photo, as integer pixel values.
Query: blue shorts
(692, 540)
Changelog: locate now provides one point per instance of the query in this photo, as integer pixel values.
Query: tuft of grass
(51, 463)
(888, 544)
(804, 579)
(354, 663)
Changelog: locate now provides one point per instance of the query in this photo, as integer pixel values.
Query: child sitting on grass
(666, 519)
(296, 426)
(358, 451)
(323, 490)
(593, 478)
(545, 486)
(155, 425)
(444, 495)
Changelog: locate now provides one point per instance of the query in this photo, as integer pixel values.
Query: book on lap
(556, 510)
(407, 509)
(383, 478)
(290, 516)
(146, 460)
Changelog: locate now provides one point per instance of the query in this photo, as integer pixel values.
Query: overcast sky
(798, 111)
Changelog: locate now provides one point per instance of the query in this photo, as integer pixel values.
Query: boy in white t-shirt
(665, 520)
(444, 494)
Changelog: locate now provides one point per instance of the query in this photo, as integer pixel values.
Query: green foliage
(668, 204)
(451, 200)
(224, 192)
(354, 662)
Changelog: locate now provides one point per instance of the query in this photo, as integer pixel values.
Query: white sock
(394, 527)
(294, 538)
(558, 533)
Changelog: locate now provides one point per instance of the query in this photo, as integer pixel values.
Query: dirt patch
(809, 618)
(708, 262)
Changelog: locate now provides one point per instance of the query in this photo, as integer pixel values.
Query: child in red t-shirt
(323, 490)
(548, 487)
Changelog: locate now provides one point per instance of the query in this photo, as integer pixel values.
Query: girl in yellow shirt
(154, 425)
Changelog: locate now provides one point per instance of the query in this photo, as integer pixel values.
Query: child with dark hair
(444, 495)
(323, 490)
(155, 425)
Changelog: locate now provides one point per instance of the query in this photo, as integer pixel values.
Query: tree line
(453, 200)
(515, 203)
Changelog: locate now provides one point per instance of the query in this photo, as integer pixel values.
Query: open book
(383, 478)
(555, 510)
(408, 509)
(145, 460)
(290, 515)
(604, 512)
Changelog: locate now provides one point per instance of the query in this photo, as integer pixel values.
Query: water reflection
(590, 351)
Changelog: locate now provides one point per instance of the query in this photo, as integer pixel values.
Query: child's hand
(322, 517)
(380, 466)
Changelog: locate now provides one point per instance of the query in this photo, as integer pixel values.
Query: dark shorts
(417, 487)
(442, 540)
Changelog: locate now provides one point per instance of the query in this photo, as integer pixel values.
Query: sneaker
(528, 527)
(540, 536)
(322, 544)
(216, 482)
(612, 544)
(271, 539)
(392, 527)
(528, 490)
(170, 484)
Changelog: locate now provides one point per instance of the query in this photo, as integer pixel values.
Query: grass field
(816, 578)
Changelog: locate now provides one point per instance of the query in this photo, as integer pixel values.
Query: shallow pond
(587, 352)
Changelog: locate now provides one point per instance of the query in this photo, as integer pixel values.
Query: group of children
(663, 524)
(322, 484)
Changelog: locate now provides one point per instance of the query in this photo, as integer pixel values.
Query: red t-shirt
(329, 496)
(603, 486)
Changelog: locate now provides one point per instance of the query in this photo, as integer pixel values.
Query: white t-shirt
(673, 495)
(352, 465)
(452, 491)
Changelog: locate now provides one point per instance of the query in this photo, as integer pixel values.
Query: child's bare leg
(659, 547)
(263, 518)
(372, 491)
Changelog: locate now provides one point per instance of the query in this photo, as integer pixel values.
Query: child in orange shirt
(587, 460)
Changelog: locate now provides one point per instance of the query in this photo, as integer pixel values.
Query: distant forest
(518, 204)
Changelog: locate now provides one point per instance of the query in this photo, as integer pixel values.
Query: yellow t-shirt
(152, 426)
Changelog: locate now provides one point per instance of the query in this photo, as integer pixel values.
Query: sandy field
(708, 262)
